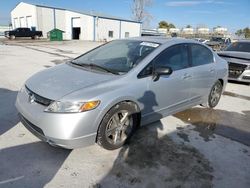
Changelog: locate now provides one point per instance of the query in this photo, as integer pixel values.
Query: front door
(169, 93)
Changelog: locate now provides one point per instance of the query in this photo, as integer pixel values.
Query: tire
(214, 95)
(114, 131)
(12, 37)
(35, 37)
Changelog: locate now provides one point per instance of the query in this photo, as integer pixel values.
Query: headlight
(71, 107)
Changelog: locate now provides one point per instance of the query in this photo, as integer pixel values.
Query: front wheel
(12, 37)
(117, 126)
(214, 95)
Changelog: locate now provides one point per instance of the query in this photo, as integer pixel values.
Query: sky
(233, 14)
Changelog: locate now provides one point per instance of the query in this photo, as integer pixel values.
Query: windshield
(117, 56)
(239, 46)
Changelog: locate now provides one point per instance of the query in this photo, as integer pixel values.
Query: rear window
(201, 55)
(239, 47)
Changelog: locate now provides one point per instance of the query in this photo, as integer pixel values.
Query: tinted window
(201, 55)
(239, 46)
(175, 57)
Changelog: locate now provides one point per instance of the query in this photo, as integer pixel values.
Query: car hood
(56, 82)
(233, 54)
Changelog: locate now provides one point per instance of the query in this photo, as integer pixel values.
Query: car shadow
(152, 159)
(30, 165)
(8, 113)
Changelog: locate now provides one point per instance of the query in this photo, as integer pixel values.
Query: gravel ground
(194, 148)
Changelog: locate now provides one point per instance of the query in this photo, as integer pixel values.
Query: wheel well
(221, 81)
(138, 111)
(137, 108)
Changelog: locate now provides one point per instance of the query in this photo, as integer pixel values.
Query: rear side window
(175, 57)
(201, 55)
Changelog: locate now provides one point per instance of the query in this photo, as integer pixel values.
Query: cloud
(191, 3)
(201, 12)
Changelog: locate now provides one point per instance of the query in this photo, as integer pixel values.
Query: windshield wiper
(92, 65)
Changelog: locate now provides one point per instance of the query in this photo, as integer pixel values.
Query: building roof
(89, 13)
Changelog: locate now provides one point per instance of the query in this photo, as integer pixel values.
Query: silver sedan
(103, 95)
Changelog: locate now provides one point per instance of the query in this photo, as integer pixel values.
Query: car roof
(162, 39)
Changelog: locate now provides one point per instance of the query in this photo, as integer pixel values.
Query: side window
(175, 57)
(201, 55)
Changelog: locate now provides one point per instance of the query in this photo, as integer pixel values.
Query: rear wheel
(214, 95)
(117, 126)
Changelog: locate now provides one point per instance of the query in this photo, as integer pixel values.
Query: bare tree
(139, 11)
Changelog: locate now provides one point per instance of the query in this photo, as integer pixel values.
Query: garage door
(76, 22)
(22, 22)
(29, 21)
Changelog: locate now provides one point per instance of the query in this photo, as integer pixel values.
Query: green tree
(246, 32)
(171, 26)
(163, 24)
(188, 26)
(166, 25)
(239, 32)
(243, 32)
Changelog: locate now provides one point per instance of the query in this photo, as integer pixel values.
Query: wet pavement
(207, 122)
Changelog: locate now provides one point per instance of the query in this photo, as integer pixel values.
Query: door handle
(186, 76)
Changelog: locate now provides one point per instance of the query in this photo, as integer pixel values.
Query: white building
(76, 25)
(220, 30)
(188, 31)
(203, 30)
(174, 30)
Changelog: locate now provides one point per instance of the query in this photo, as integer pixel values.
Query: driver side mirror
(159, 71)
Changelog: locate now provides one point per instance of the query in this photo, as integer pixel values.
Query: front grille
(37, 98)
(235, 69)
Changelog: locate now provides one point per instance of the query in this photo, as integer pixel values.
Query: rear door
(203, 71)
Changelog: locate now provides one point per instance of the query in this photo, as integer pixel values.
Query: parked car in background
(23, 32)
(218, 43)
(105, 94)
(238, 57)
(201, 40)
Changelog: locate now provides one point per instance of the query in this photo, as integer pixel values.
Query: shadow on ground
(153, 160)
(30, 165)
(208, 122)
(8, 113)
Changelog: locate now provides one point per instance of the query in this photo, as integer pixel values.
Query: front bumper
(243, 77)
(68, 130)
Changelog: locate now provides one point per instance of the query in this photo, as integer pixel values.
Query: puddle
(236, 95)
(209, 122)
(150, 161)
